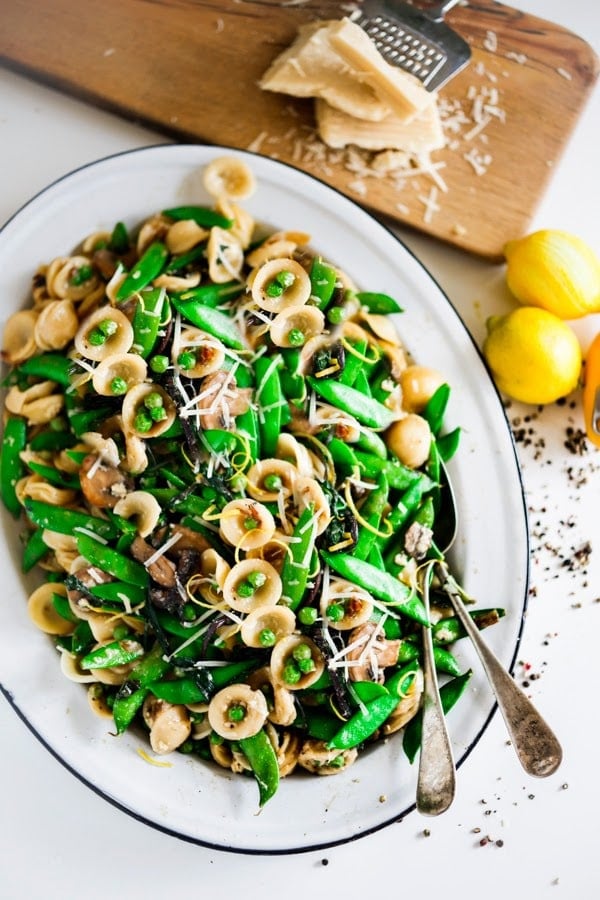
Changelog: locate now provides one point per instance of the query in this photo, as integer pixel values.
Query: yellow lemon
(556, 271)
(533, 355)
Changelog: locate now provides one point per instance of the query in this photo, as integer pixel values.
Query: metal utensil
(416, 39)
(436, 782)
(536, 745)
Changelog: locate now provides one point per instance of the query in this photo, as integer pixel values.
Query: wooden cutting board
(190, 69)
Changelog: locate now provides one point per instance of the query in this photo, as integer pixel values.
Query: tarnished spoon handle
(536, 745)
(437, 776)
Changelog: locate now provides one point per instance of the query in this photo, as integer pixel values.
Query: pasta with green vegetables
(226, 465)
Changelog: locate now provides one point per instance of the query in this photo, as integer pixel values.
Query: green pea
(267, 637)
(236, 713)
(295, 337)
(186, 360)
(159, 364)
(142, 421)
(107, 327)
(285, 278)
(250, 523)
(153, 400)
(302, 651)
(96, 338)
(121, 632)
(306, 665)
(291, 673)
(158, 413)
(118, 386)
(273, 483)
(81, 275)
(274, 289)
(244, 589)
(307, 615)
(256, 579)
(335, 612)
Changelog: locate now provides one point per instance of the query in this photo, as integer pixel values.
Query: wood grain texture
(190, 69)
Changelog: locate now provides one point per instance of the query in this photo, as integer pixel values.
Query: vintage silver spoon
(536, 745)
(436, 782)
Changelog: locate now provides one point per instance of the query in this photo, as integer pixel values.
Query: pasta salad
(227, 467)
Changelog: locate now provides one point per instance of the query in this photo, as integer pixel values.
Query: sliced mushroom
(103, 485)
(221, 400)
(370, 652)
(237, 712)
(169, 724)
(315, 757)
(161, 569)
(417, 540)
(246, 524)
(251, 584)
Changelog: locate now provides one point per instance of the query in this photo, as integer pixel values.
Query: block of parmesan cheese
(310, 67)
(422, 134)
(403, 93)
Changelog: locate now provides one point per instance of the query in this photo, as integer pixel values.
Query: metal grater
(416, 40)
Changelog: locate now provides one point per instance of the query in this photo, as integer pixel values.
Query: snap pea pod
(11, 465)
(435, 408)
(380, 304)
(119, 239)
(114, 591)
(270, 400)
(146, 320)
(399, 476)
(353, 363)
(61, 605)
(450, 693)
(176, 263)
(186, 690)
(447, 444)
(88, 419)
(152, 667)
(213, 321)
(372, 512)
(146, 269)
(361, 383)
(365, 722)
(444, 660)
(343, 455)
(51, 440)
(450, 629)
(34, 551)
(54, 476)
(295, 571)
(49, 366)
(370, 442)
(108, 560)
(69, 521)
(259, 752)
(366, 410)
(116, 653)
(405, 507)
(82, 638)
(379, 583)
(247, 424)
(320, 724)
(323, 279)
(201, 215)
(210, 294)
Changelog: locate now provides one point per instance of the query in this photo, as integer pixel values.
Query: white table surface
(60, 840)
